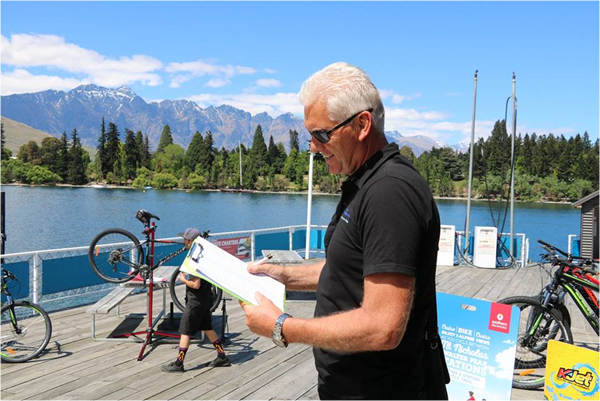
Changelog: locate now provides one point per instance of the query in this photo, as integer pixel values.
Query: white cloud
(506, 362)
(270, 71)
(434, 124)
(396, 98)
(268, 83)
(21, 81)
(201, 68)
(51, 51)
(177, 80)
(217, 83)
(275, 105)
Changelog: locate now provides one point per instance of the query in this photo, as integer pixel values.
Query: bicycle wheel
(537, 326)
(26, 331)
(177, 290)
(115, 255)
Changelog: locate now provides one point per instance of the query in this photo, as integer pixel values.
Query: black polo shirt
(386, 222)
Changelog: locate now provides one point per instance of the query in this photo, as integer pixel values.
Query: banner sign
(479, 339)
(571, 372)
(238, 247)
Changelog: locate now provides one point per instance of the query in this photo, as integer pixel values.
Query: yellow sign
(571, 372)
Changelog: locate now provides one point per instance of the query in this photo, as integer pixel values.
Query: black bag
(435, 363)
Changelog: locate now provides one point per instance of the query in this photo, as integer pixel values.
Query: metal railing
(36, 259)
(523, 254)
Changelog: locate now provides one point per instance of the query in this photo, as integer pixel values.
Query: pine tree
(111, 146)
(101, 155)
(272, 151)
(131, 155)
(166, 139)
(497, 148)
(294, 141)
(139, 145)
(146, 156)
(194, 151)
(77, 165)
(62, 164)
(6, 153)
(207, 155)
(258, 153)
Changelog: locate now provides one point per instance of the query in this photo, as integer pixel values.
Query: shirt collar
(360, 176)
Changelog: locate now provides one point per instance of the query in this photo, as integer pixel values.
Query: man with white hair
(376, 287)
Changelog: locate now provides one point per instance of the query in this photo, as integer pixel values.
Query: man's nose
(314, 145)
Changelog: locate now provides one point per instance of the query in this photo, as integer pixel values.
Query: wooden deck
(76, 367)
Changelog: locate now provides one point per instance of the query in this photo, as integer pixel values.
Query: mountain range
(84, 107)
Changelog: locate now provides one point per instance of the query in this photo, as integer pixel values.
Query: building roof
(585, 199)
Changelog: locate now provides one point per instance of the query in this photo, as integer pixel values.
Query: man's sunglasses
(324, 135)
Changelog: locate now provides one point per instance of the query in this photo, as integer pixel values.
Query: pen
(265, 259)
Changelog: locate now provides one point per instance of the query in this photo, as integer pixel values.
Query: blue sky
(255, 56)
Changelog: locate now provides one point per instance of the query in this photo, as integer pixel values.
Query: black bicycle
(117, 256)
(545, 317)
(26, 327)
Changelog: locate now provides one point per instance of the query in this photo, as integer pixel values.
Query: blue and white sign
(479, 340)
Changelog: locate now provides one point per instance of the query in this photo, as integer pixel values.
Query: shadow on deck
(76, 367)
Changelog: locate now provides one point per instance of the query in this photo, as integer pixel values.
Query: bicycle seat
(144, 216)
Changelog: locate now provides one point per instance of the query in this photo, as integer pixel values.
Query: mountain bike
(117, 256)
(545, 317)
(26, 327)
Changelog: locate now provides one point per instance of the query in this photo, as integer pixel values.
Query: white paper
(211, 263)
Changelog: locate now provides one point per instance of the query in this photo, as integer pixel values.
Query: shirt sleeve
(392, 226)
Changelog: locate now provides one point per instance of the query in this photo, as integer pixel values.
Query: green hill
(18, 134)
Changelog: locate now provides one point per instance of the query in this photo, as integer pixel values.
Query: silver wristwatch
(277, 336)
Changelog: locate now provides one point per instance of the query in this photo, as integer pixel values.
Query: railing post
(291, 237)
(523, 261)
(252, 245)
(36, 287)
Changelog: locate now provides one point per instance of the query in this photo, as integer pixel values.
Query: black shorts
(194, 319)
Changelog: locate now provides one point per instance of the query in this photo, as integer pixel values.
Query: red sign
(500, 318)
(238, 247)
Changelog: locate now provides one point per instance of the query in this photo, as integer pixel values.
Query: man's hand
(182, 278)
(274, 271)
(261, 318)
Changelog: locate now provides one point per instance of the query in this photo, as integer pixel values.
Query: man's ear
(365, 121)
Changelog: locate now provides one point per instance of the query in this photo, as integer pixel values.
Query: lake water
(50, 217)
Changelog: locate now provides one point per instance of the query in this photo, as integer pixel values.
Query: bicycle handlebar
(7, 274)
(553, 248)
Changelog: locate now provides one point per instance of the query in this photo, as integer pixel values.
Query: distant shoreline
(256, 191)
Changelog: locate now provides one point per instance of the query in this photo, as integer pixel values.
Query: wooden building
(588, 247)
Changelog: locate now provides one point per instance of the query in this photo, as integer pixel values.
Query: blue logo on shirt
(346, 216)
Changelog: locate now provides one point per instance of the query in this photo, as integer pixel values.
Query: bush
(260, 184)
(196, 181)
(165, 180)
(40, 175)
(280, 183)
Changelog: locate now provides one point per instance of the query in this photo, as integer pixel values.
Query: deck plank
(76, 367)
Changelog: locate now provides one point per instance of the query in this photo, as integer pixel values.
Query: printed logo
(582, 377)
(346, 215)
(500, 318)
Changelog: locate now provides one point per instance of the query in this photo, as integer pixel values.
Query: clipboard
(211, 263)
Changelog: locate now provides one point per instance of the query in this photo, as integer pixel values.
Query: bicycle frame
(148, 243)
(11, 303)
(584, 304)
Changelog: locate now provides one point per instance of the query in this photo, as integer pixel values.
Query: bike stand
(224, 323)
(150, 332)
